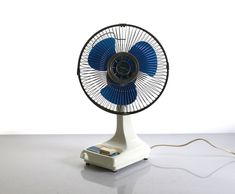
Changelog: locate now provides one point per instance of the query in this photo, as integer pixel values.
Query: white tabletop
(50, 164)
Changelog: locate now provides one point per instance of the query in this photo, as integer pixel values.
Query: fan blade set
(103, 51)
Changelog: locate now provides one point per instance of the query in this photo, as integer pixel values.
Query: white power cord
(192, 141)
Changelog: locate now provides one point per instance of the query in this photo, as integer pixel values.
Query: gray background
(50, 164)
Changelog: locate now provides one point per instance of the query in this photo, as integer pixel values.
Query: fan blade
(146, 56)
(120, 95)
(101, 53)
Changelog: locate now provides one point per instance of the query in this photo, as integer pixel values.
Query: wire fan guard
(149, 82)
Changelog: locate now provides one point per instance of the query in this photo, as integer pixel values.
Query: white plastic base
(132, 148)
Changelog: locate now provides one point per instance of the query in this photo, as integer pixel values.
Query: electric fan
(123, 69)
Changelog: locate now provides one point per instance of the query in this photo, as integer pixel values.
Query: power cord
(192, 141)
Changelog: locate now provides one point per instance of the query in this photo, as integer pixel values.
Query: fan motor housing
(123, 68)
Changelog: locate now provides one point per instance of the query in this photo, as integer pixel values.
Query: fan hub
(123, 68)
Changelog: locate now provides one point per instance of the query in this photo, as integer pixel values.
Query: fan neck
(124, 131)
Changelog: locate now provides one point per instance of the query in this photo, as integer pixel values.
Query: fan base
(123, 149)
(136, 152)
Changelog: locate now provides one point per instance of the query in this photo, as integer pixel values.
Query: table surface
(50, 164)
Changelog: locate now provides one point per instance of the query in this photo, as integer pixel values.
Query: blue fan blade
(146, 57)
(101, 53)
(120, 95)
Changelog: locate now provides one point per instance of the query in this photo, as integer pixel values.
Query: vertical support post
(124, 132)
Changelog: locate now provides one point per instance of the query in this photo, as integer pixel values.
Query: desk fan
(123, 69)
